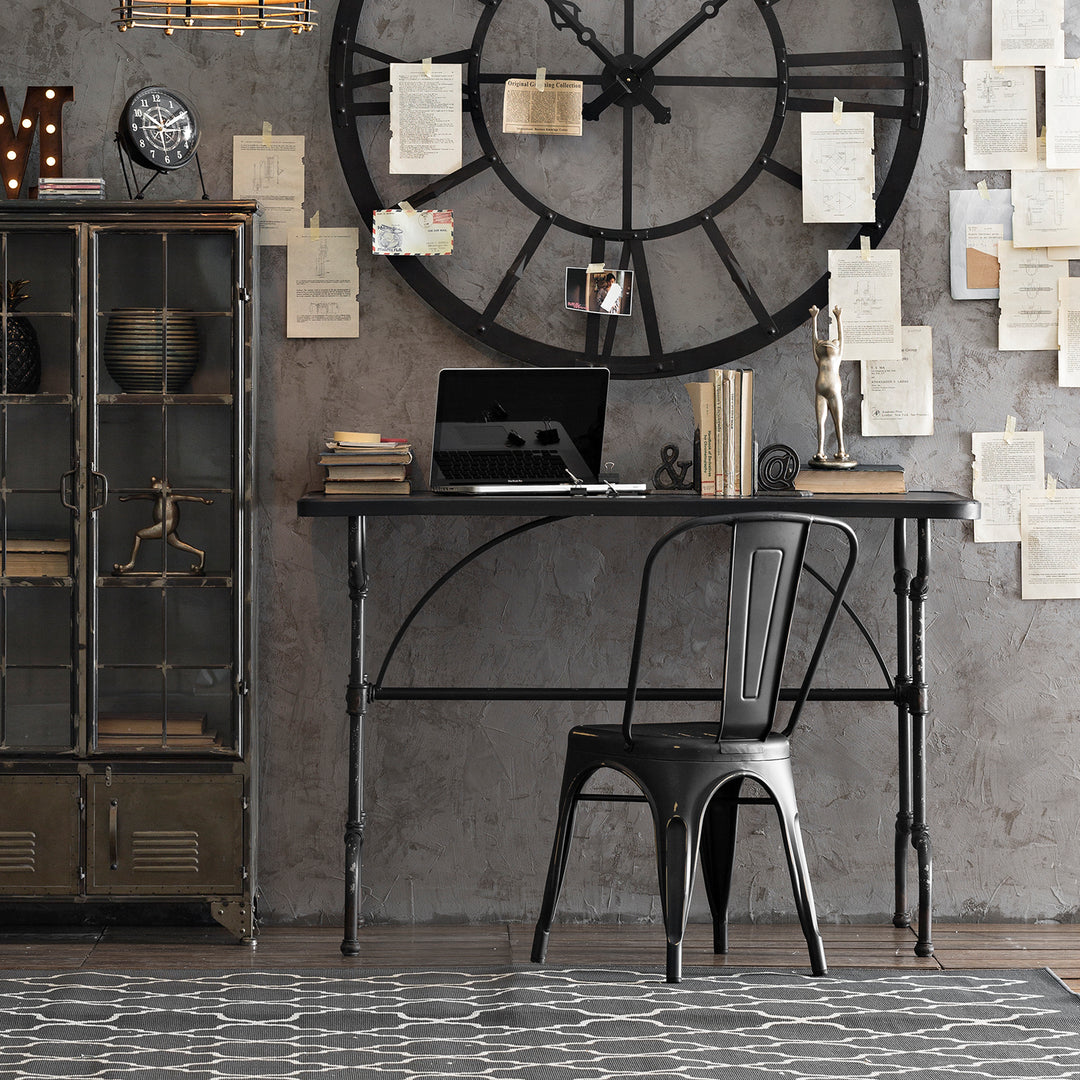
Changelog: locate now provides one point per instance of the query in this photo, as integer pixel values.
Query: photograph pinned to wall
(600, 292)
(412, 232)
(978, 220)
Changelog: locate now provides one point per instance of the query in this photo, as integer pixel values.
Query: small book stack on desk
(860, 480)
(724, 417)
(359, 463)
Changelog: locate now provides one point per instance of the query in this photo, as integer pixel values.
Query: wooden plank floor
(963, 945)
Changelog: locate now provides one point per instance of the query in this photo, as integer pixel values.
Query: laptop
(521, 431)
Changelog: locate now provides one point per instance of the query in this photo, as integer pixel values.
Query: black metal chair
(691, 773)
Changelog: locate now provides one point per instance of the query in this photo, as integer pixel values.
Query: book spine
(702, 402)
(749, 480)
(718, 429)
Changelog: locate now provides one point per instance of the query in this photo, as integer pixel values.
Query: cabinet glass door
(167, 599)
(40, 402)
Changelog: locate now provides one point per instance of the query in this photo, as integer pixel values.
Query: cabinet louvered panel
(157, 835)
(39, 835)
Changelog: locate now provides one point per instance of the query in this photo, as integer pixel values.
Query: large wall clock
(688, 170)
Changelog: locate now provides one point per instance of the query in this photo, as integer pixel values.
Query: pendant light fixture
(237, 15)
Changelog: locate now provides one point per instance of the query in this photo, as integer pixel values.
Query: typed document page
(425, 118)
(1006, 464)
(865, 285)
(1068, 331)
(1063, 116)
(1027, 33)
(323, 283)
(838, 166)
(999, 117)
(270, 168)
(1046, 208)
(1050, 545)
(898, 394)
(1029, 298)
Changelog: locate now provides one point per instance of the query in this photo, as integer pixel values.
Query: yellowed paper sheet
(1068, 331)
(555, 110)
(1002, 469)
(1046, 207)
(999, 117)
(1063, 116)
(838, 167)
(1050, 545)
(898, 394)
(1027, 33)
(425, 118)
(866, 287)
(1029, 298)
(271, 170)
(323, 284)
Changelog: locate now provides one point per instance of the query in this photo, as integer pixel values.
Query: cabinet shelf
(178, 580)
(36, 399)
(166, 399)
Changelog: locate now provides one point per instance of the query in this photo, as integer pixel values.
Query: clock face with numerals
(688, 170)
(159, 129)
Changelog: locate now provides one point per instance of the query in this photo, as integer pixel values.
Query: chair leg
(676, 852)
(573, 781)
(718, 837)
(782, 789)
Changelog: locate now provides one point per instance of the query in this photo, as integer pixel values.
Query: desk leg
(920, 708)
(356, 701)
(902, 588)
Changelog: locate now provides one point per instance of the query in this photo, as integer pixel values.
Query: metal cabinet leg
(356, 704)
(920, 709)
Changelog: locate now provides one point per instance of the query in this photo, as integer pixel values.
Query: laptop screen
(556, 410)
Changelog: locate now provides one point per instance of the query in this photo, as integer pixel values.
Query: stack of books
(724, 418)
(360, 463)
(71, 187)
(37, 557)
(142, 731)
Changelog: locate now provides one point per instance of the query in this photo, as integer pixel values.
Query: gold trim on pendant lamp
(237, 16)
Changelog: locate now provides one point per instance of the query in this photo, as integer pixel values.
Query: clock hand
(568, 12)
(709, 10)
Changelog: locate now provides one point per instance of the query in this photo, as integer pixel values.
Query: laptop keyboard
(499, 465)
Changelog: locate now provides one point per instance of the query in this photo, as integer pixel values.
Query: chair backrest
(767, 552)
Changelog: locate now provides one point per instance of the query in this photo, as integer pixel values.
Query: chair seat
(678, 742)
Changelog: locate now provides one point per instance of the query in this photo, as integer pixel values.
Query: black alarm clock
(159, 129)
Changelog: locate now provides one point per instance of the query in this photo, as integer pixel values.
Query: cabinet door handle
(67, 493)
(100, 490)
(113, 855)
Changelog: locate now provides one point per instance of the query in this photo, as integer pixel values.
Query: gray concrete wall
(461, 797)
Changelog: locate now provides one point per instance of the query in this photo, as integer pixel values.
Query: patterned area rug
(537, 1024)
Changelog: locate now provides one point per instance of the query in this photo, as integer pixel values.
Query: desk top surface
(914, 505)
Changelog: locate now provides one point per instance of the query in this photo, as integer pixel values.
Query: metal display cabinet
(127, 742)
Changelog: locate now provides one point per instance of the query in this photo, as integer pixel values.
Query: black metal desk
(909, 692)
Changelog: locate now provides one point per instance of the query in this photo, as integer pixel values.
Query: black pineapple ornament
(22, 352)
